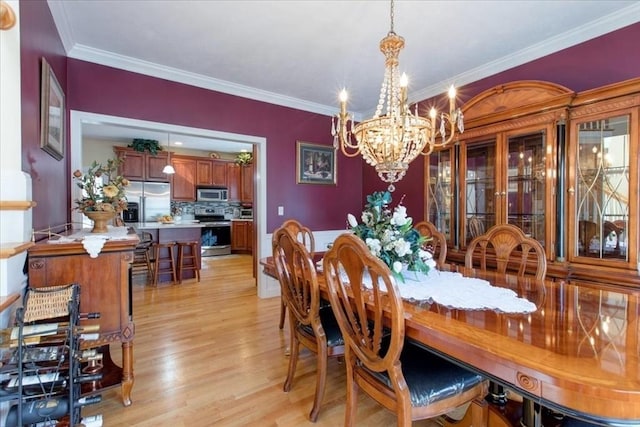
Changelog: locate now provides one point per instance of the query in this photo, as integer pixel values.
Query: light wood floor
(211, 353)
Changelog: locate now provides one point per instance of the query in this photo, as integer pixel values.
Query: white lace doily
(93, 242)
(456, 291)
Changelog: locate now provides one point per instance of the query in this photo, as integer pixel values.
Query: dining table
(576, 352)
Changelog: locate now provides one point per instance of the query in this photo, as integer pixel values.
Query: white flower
(352, 220)
(367, 219)
(402, 247)
(425, 255)
(374, 246)
(397, 267)
(431, 263)
(399, 216)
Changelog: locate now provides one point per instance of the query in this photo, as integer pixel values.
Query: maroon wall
(39, 38)
(99, 89)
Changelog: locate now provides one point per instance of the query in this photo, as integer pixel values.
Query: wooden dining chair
(305, 236)
(401, 376)
(506, 248)
(438, 243)
(311, 325)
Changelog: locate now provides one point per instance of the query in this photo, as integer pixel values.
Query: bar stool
(188, 259)
(141, 258)
(164, 260)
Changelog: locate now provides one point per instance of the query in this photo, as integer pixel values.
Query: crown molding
(604, 25)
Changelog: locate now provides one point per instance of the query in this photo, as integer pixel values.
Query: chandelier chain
(392, 16)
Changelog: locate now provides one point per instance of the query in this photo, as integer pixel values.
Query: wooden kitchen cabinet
(183, 182)
(242, 236)
(211, 173)
(240, 179)
(246, 183)
(137, 166)
(233, 182)
(104, 288)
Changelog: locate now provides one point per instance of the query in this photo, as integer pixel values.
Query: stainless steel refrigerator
(154, 199)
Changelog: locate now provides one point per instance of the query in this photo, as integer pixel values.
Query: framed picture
(52, 110)
(315, 164)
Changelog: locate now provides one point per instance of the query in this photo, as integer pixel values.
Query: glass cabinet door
(479, 186)
(526, 176)
(440, 192)
(602, 189)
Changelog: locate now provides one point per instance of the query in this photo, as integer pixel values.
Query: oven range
(215, 234)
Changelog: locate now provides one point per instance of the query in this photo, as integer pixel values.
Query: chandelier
(395, 135)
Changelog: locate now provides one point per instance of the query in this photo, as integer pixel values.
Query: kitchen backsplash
(187, 209)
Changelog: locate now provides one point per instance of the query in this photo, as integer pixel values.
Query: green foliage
(142, 145)
(390, 235)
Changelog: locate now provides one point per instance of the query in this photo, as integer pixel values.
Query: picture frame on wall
(315, 164)
(52, 113)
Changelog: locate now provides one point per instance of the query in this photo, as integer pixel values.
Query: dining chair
(305, 236)
(438, 243)
(506, 248)
(311, 324)
(398, 374)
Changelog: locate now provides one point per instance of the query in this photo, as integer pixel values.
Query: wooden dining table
(577, 354)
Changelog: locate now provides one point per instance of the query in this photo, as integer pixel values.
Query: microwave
(212, 195)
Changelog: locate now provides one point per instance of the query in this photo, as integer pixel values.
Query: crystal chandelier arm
(340, 131)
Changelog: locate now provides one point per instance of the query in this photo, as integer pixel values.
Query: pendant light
(168, 169)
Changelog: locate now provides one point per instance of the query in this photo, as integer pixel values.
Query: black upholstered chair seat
(330, 326)
(430, 378)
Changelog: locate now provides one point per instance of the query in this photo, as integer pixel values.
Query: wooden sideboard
(104, 288)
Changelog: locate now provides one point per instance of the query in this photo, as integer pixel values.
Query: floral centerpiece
(389, 235)
(103, 192)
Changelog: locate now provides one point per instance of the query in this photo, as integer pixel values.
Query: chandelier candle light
(394, 136)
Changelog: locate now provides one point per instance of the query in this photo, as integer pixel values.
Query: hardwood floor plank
(210, 353)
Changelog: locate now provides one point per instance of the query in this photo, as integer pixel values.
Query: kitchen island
(180, 231)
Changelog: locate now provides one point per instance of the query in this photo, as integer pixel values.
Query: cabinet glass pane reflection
(602, 192)
(526, 172)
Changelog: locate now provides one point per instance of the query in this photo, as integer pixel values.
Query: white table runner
(453, 290)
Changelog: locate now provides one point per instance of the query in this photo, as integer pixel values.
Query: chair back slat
(508, 249)
(359, 309)
(438, 243)
(297, 275)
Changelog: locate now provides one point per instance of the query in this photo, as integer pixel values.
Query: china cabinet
(562, 166)
(602, 185)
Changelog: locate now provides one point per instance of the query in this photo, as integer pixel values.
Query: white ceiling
(301, 53)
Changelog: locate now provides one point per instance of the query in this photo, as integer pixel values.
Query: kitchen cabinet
(233, 182)
(211, 173)
(560, 165)
(139, 166)
(183, 182)
(242, 236)
(240, 180)
(246, 183)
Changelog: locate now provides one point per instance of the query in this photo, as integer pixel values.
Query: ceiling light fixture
(168, 169)
(394, 137)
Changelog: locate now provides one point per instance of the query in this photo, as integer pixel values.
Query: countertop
(159, 225)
